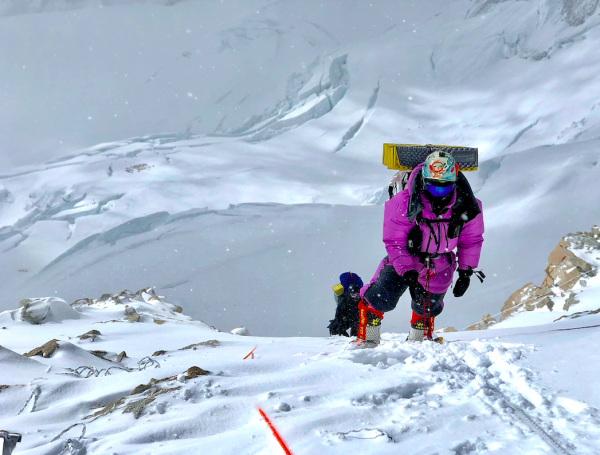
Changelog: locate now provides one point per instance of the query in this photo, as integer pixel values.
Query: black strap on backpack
(415, 235)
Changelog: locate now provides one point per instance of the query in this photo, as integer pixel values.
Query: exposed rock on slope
(42, 310)
(91, 335)
(141, 306)
(486, 321)
(241, 331)
(570, 264)
(145, 394)
(45, 350)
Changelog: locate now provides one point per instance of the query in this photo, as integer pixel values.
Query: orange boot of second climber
(369, 327)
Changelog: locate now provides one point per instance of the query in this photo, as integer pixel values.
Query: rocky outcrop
(131, 314)
(241, 331)
(486, 321)
(46, 350)
(578, 314)
(529, 297)
(564, 270)
(144, 394)
(100, 354)
(194, 372)
(84, 301)
(47, 309)
(211, 343)
(91, 335)
(138, 306)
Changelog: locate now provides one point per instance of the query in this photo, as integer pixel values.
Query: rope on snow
(71, 444)
(146, 362)
(35, 393)
(88, 371)
(532, 424)
(553, 443)
(380, 433)
(83, 430)
(68, 447)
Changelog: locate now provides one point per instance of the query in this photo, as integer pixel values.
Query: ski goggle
(439, 188)
(355, 295)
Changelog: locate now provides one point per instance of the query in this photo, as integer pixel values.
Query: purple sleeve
(395, 232)
(470, 241)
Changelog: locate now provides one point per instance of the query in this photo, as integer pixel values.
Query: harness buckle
(430, 265)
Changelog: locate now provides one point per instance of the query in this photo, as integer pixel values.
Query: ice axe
(8, 442)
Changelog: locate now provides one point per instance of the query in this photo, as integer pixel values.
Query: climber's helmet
(439, 174)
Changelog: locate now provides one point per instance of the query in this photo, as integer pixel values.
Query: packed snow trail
(457, 398)
(552, 442)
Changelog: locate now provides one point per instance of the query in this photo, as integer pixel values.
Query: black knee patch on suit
(420, 301)
(384, 293)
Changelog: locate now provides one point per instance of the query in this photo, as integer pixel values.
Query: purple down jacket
(396, 226)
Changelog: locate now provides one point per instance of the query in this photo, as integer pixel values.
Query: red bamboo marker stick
(279, 440)
(251, 353)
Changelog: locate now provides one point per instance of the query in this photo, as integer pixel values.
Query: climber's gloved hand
(462, 284)
(411, 278)
(335, 328)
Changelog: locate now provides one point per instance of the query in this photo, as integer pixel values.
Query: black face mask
(439, 205)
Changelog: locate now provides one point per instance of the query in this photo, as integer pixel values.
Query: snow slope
(282, 102)
(85, 227)
(457, 398)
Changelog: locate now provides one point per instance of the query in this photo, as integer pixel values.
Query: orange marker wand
(279, 440)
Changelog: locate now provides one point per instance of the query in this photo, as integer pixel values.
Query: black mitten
(336, 329)
(462, 284)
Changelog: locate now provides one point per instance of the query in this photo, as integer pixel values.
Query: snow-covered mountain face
(495, 74)
(281, 102)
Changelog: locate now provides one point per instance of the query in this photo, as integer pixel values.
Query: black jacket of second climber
(346, 317)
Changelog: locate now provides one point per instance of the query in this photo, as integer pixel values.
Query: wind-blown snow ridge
(226, 85)
(199, 391)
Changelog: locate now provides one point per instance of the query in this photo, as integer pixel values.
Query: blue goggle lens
(439, 191)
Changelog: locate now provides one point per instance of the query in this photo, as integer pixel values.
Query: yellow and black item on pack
(403, 157)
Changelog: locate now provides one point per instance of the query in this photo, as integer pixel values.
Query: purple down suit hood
(464, 251)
